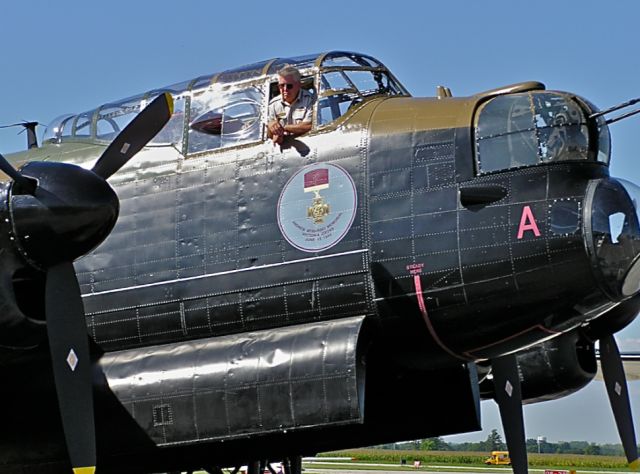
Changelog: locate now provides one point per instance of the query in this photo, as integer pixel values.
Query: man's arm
(275, 131)
(297, 129)
(304, 125)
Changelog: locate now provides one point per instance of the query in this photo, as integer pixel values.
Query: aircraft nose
(612, 233)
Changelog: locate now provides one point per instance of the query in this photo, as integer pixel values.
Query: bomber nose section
(612, 233)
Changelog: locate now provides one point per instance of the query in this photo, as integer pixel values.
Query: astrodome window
(525, 129)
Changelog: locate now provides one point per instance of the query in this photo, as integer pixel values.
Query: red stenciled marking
(421, 305)
(527, 222)
(415, 268)
(316, 178)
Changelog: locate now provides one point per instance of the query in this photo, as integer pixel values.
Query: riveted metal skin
(284, 370)
(377, 236)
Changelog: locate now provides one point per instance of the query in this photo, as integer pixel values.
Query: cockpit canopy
(229, 108)
(346, 80)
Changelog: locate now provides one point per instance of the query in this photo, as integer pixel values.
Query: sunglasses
(287, 86)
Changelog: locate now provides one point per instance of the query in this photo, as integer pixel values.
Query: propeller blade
(26, 185)
(616, 382)
(506, 382)
(135, 136)
(69, 344)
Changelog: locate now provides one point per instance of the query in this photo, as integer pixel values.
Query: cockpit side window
(225, 117)
(306, 82)
(83, 125)
(171, 133)
(67, 127)
(53, 131)
(525, 129)
(342, 89)
(112, 118)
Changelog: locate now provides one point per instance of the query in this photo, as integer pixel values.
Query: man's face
(289, 88)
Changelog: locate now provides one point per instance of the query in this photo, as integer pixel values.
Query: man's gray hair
(289, 70)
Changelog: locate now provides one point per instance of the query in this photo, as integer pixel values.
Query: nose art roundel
(317, 207)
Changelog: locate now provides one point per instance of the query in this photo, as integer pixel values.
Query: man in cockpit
(290, 113)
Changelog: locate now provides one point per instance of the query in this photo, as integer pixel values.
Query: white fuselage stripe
(228, 272)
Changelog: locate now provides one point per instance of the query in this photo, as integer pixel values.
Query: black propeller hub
(71, 211)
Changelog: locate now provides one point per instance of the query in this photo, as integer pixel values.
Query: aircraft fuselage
(243, 281)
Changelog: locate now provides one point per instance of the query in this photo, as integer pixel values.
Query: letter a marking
(527, 222)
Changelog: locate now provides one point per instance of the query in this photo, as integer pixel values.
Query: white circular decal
(317, 207)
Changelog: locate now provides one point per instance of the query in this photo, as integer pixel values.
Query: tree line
(494, 442)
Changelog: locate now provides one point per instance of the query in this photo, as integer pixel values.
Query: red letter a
(527, 222)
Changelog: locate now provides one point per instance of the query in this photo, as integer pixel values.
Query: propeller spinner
(60, 212)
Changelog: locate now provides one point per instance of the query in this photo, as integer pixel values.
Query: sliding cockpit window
(343, 89)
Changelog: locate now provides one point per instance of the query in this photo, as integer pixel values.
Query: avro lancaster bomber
(219, 300)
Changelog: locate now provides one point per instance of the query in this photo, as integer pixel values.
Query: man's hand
(275, 128)
(276, 131)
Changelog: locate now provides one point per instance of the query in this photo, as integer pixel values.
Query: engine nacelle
(552, 369)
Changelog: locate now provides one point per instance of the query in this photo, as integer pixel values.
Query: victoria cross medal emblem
(311, 221)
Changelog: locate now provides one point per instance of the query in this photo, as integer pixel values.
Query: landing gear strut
(255, 467)
(292, 465)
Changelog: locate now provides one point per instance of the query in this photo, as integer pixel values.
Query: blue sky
(71, 56)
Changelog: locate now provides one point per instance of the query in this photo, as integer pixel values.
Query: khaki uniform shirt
(299, 112)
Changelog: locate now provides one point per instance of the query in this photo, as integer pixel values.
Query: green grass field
(462, 458)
